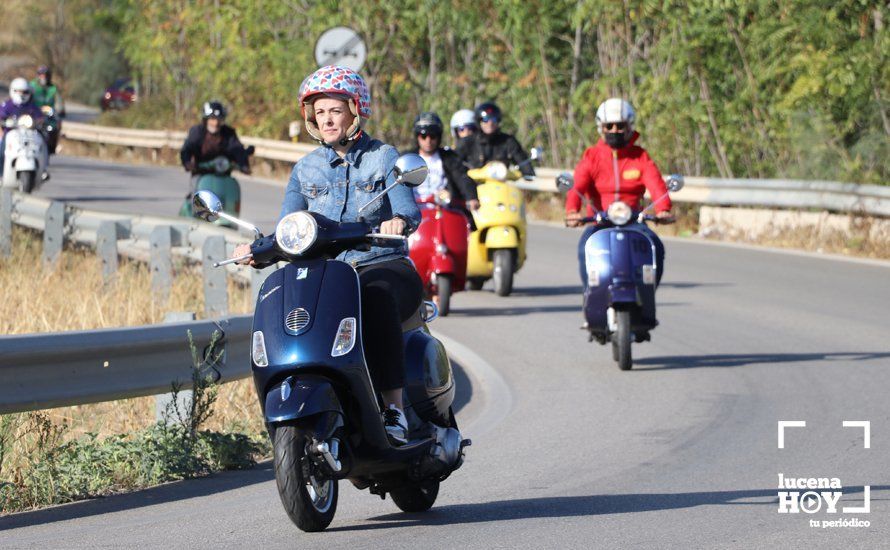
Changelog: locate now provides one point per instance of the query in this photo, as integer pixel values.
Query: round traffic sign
(341, 46)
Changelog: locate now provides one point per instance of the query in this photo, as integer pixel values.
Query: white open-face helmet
(464, 117)
(19, 91)
(615, 110)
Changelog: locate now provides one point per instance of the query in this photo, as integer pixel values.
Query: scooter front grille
(296, 320)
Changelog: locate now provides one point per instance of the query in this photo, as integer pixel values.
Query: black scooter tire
(27, 179)
(503, 272)
(623, 339)
(289, 449)
(475, 283)
(416, 498)
(444, 292)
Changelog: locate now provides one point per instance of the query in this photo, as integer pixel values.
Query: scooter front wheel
(309, 497)
(443, 283)
(27, 179)
(503, 271)
(622, 340)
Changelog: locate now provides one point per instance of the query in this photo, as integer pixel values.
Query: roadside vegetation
(70, 453)
(749, 89)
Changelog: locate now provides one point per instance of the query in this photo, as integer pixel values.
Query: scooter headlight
(26, 121)
(296, 232)
(497, 171)
(619, 213)
(47, 110)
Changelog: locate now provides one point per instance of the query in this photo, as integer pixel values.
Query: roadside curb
(497, 399)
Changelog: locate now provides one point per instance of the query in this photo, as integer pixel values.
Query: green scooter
(215, 175)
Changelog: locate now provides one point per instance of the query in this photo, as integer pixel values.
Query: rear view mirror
(675, 182)
(564, 182)
(537, 153)
(206, 205)
(411, 170)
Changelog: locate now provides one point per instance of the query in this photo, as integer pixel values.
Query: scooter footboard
(300, 397)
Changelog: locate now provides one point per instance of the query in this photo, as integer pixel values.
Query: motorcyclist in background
(616, 169)
(492, 144)
(463, 125)
(20, 102)
(45, 92)
(213, 138)
(446, 171)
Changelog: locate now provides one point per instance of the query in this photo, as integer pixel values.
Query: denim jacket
(336, 188)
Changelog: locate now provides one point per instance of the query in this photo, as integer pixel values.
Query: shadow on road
(100, 198)
(594, 505)
(687, 284)
(548, 290)
(745, 359)
(509, 311)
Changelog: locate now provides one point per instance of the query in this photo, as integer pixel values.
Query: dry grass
(73, 296)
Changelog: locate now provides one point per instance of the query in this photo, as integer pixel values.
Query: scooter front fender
(625, 293)
(502, 237)
(442, 264)
(25, 163)
(300, 397)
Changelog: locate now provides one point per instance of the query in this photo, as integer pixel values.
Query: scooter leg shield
(295, 398)
(502, 237)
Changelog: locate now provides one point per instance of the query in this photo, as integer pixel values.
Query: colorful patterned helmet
(337, 81)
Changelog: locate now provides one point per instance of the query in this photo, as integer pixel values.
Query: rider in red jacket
(616, 169)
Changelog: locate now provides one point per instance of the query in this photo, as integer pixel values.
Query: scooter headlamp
(296, 233)
(619, 213)
(497, 171)
(26, 121)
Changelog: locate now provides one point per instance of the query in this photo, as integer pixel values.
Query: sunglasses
(620, 126)
(489, 118)
(427, 136)
(466, 127)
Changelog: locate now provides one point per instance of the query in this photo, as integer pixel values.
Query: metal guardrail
(824, 195)
(40, 371)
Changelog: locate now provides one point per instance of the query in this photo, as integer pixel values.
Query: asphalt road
(568, 451)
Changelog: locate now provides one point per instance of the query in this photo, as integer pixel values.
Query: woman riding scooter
(338, 179)
(616, 169)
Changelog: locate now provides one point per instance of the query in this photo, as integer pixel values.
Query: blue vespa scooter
(321, 410)
(620, 259)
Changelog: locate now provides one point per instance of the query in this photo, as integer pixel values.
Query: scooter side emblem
(302, 273)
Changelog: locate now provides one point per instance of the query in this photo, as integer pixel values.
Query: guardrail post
(53, 232)
(164, 400)
(106, 248)
(5, 223)
(216, 294)
(161, 263)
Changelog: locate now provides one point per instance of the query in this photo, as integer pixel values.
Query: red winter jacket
(595, 178)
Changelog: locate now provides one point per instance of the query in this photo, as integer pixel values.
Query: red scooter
(439, 248)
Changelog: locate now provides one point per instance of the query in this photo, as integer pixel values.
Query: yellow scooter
(497, 247)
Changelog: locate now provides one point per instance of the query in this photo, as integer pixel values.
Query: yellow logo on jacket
(633, 174)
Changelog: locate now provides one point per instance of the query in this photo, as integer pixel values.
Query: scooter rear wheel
(416, 498)
(309, 498)
(444, 292)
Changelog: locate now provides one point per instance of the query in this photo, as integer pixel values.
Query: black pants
(391, 293)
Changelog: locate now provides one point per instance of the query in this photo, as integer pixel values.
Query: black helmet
(488, 110)
(428, 123)
(213, 109)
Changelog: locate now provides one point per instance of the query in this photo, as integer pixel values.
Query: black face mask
(615, 140)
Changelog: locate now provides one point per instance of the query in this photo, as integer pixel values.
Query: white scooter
(26, 155)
